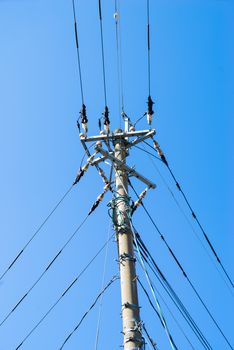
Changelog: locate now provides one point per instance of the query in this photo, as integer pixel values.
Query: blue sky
(192, 86)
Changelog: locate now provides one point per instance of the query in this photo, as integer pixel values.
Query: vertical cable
(102, 46)
(78, 51)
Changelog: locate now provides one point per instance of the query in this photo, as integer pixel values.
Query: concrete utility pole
(129, 296)
(133, 339)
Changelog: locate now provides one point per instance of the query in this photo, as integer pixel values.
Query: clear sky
(192, 86)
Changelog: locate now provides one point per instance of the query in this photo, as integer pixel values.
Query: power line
(148, 43)
(94, 206)
(35, 233)
(171, 293)
(87, 312)
(194, 216)
(102, 47)
(185, 275)
(64, 293)
(78, 51)
(185, 215)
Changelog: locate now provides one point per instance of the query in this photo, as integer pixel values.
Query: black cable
(35, 233)
(78, 51)
(183, 272)
(64, 293)
(173, 296)
(148, 43)
(87, 312)
(195, 218)
(154, 345)
(102, 46)
(94, 206)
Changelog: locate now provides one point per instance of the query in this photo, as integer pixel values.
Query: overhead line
(78, 51)
(64, 293)
(184, 273)
(35, 233)
(195, 217)
(87, 312)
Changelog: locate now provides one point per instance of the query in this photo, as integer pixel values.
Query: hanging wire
(102, 287)
(78, 51)
(102, 46)
(159, 309)
(146, 255)
(119, 59)
(195, 217)
(184, 215)
(186, 276)
(87, 312)
(64, 293)
(36, 233)
(148, 42)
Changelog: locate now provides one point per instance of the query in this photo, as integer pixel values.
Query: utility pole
(129, 297)
(119, 140)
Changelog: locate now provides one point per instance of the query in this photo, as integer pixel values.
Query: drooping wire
(195, 217)
(47, 268)
(148, 42)
(64, 293)
(184, 274)
(119, 59)
(154, 345)
(159, 309)
(87, 312)
(36, 232)
(102, 49)
(184, 215)
(101, 301)
(78, 51)
(171, 293)
(151, 303)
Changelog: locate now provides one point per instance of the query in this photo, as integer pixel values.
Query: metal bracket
(124, 166)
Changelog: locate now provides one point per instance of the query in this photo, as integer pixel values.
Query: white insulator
(107, 128)
(85, 126)
(102, 132)
(101, 171)
(85, 167)
(149, 118)
(116, 16)
(137, 203)
(82, 136)
(90, 159)
(142, 195)
(132, 128)
(98, 143)
(100, 197)
(106, 188)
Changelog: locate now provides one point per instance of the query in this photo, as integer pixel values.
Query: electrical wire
(185, 275)
(87, 312)
(159, 309)
(119, 58)
(151, 303)
(171, 293)
(154, 345)
(184, 215)
(148, 42)
(196, 219)
(35, 233)
(47, 268)
(102, 47)
(78, 51)
(102, 286)
(64, 293)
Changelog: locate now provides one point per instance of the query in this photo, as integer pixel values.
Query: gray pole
(129, 297)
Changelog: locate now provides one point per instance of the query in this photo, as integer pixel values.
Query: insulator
(102, 132)
(85, 167)
(90, 159)
(100, 197)
(142, 195)
(132, 128)
(116, 16)
(82, 136)
(85, 127)
(107, 128)
(106, 188)
(149, 118)
(98, 144)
